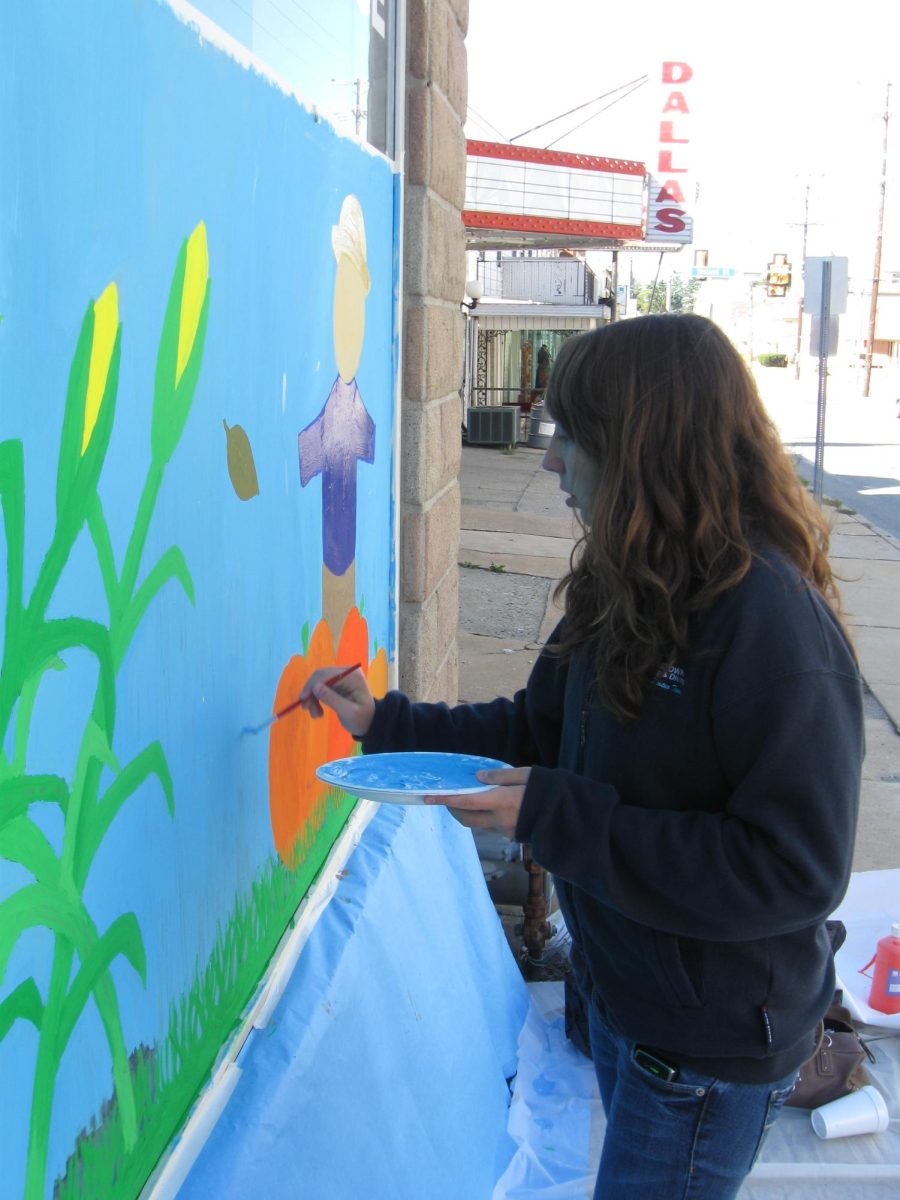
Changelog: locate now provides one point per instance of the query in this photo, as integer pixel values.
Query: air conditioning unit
(492, 425)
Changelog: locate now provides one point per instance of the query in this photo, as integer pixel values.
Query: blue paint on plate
(409, 773)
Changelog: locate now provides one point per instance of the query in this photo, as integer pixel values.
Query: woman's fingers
(504, 776)
(497, 809)
(346, 693)
(317, 688)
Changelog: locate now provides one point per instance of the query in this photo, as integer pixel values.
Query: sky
(786, 95)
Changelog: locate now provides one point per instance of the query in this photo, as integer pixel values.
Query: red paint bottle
(884, 994)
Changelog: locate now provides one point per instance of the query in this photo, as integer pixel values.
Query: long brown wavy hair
(693, 482)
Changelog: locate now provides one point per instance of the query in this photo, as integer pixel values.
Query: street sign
(713, 272)
(816, 347)
(825, 293)
(812, 285)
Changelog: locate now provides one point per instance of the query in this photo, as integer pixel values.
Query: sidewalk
(515, 541)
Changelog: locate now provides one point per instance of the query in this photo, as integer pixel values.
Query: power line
(264, 29)
(300, 28)
(484, 121)
(873, 308)
(579, 107)
(597, 113)
(307, 13)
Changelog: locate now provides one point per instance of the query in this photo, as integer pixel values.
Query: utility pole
(876, 270)
(802, 274)
(358, 112)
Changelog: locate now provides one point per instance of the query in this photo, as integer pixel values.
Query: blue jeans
(695, 1138)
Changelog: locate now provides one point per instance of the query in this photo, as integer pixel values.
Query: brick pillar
(431, 405)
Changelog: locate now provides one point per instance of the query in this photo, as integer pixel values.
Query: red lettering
(667, 133)
(671, 190)
(669, 220)
(676, 103)
(676, 72)
(666, 166)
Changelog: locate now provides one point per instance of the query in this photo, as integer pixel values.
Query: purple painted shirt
(341, 435)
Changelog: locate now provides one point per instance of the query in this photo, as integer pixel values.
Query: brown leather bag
(836, 1068)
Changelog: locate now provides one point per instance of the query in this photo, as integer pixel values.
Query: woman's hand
(350, 698)
(497, 809)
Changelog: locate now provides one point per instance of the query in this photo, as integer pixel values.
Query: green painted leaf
(16, 794)
(95, 746)
(123, 937)
(27, 698)
(39, 906)
(68, 632)
(24, 1003)
(22, 842)
(172, 565)
(151, 761)
(105, 557)
(95, 754)
(73, 417)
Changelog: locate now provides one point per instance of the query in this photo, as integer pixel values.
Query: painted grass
(167, 1079)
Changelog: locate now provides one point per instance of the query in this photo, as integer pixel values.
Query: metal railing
(523, 398)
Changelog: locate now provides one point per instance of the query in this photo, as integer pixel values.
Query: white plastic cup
(861, 1112)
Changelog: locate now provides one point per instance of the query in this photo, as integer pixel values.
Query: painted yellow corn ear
(90, 409)
(180, 345)
(106, 325)
(193, 293)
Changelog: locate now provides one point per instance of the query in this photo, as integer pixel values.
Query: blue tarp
(384, 1069)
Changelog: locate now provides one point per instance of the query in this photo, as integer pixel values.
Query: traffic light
(778, 277)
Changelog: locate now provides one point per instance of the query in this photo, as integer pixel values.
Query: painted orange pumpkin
(353, 647)
(378, 674)
(297, 745)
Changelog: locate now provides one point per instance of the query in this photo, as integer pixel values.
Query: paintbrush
(296, 704)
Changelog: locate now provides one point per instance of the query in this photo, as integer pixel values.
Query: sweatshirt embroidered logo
(671, 679)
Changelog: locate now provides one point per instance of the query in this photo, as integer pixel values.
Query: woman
(687, 751)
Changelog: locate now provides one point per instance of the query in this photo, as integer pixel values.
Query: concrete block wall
(431, 405)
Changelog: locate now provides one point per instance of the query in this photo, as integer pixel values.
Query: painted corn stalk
(34, 644)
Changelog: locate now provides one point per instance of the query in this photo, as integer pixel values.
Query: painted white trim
(203, 1119)
(176, 1165)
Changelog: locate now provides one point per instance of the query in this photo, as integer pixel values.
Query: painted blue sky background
(144, 132)
(321, 47)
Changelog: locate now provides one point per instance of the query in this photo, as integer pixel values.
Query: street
(862, 438)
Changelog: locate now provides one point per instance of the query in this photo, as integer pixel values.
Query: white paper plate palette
(409, 776)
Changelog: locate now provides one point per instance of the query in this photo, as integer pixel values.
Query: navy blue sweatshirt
(698, 850)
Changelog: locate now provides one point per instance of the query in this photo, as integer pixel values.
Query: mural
(166, 587)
